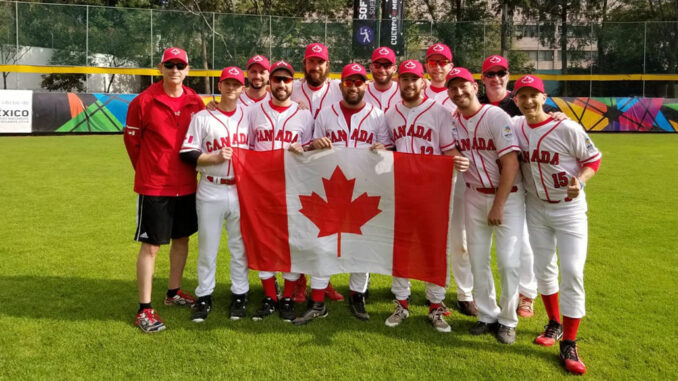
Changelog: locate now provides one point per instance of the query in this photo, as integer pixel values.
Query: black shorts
(160, 218)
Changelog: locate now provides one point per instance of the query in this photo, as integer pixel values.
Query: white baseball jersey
(483, 138)
(425, 129)
(246, 100)
(441, 97)
(382, 100)
(367, 127)
(315, 101)
(552, 152)
(211, 131)
(270, 129)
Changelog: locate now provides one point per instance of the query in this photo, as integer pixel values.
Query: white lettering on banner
(16, 111)
(362, 10)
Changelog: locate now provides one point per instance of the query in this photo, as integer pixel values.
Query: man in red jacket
(157, 120)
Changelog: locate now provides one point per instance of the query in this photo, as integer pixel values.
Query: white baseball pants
(528, 282)
(357, 282)
(216, 203)
(563, 225)
(292, 277)
(456, 243)
(509, 240)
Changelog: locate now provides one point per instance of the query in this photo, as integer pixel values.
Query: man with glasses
(257, 77)
(157, 121)
(383, 91)
(349, 124)
(314, 93)
(438, 64)
(279, 123)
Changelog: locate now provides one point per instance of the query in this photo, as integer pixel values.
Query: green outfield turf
(68, 287)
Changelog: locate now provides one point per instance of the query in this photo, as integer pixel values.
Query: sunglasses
(171, 65)
(352, 82)
(278, 79)
(442, 62)
(492, 74)
(384, 65)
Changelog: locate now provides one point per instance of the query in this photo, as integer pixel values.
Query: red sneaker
(525, 306)
(180, 299)
(333, 294)
(570, 357)
(149, 321)
(300, 290)
(553, 332)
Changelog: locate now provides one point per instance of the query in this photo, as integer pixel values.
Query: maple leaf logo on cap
(340, 213)
(355, 67)
(175, 51)
(233, 71)
(317, 48)
(410, 65)
(280, 63)
(257, 59)
(495, 59)
(527, 79)
(438, 48)
(383, 51)
(455, 71)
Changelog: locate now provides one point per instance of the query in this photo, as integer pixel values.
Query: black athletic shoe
(268, 307)
(315, 310)
(357, 301)
(201, 309)
(238, 308)
(481, 328)
(287, 309)
(569, 355)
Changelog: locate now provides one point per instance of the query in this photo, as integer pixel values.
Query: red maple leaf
(339, 213)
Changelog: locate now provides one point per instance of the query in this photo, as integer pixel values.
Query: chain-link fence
(65, 35)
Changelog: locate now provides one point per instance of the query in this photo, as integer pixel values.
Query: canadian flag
(342, 211)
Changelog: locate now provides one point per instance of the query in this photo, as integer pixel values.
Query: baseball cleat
(300, 290)
(506, 335)
(468, 308)
(399, 314)
(287, 309)
(481, 328)
(180, 299)
(446, 310)
(333, 294)
(238, 308)
(569, 355)
(201, 309)
(438, 321)
(315, 310)
(357, 302)
(525, 307)
(268, 307)
(148, 321)
(553, 332)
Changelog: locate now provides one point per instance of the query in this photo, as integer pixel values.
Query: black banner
(365, 38)
(392, 25)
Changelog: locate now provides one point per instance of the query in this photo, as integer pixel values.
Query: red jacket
(153, 137)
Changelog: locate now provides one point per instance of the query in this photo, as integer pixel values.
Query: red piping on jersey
(285, 123)
(355, 141)
(541, 175)
(237, 127)
(414, 122)
(475, 134)
(509, 147)
(374, 96)
(310, 104)
(549, 119)
(474, 161)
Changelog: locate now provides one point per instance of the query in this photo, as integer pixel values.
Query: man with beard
(315, 92)
(383, 91)
(437, 138)
(257, 76)
(279, 123)
(350, 123)
(495, 203)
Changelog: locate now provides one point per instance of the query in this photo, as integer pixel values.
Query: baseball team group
(522, 171)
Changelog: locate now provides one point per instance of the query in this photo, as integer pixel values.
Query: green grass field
(68, 287)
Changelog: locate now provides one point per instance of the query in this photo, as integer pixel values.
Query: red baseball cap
(233, 72)
(259, 59)
(384, 53)
(282, 65)
(441, 49)
(529, 81)
(318, 50)
(459, 72)
(353, 69)
(175, 54)
(411, 67)
(495, 60)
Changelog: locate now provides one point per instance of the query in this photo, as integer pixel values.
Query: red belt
(220, 180)
(567, 199)
(490, 190)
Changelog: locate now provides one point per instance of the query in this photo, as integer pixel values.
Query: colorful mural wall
(106, 113)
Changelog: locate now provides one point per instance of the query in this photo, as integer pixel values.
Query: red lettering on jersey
(490, 145)
(543, 157)
(337, 136)
(399, 132)
(555, 160)
(264, 135)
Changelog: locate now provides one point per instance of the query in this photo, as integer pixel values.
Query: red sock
(433, 306)
(570, 327)
(403, 303)
(318, 295)
(551, 306)
(288, 292)
(269, 287)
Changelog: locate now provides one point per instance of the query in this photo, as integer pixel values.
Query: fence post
(644, 51)
(214, 27)
(270, 37)
(151, 38)
(86, 46)
(484, 40)
(325, 40)
(16, 22)
(591, 64)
